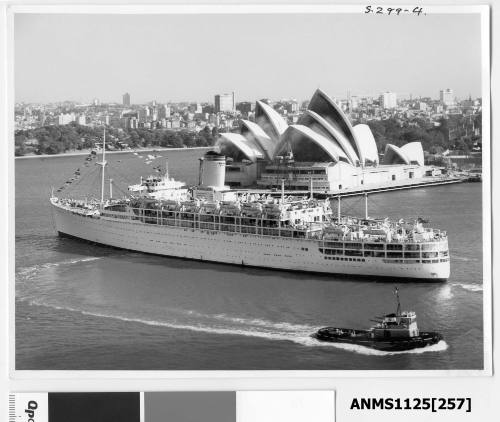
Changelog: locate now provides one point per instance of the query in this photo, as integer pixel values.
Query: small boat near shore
(475, 175)
(394, 332)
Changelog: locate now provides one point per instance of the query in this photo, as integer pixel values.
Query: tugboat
(392, 333)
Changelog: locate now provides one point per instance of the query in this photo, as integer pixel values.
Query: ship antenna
(396, 292)
(103, 164)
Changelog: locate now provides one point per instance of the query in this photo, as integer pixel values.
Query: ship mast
(103, 163)
(338, 209)
(396, 292)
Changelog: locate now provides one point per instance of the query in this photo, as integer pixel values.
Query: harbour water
(82, 306)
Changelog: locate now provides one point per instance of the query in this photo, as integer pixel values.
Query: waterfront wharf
(368, 189)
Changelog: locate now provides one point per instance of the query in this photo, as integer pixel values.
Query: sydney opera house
(322, 149)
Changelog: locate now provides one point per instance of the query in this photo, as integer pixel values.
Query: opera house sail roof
(238, 147)
(252, 131)
(269, 120)
(317, 123)
(309, 146)
(411, 153)
(322, 104)
(414, 152)
(367, 144)
(323, 133)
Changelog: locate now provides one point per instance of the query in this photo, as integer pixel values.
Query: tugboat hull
(364, 338)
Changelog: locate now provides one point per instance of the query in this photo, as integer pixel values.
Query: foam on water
(470, 287)
(462, 258)
(445, 292)
(438, 347)
(28, 273)
(261, 322)
(268, 330)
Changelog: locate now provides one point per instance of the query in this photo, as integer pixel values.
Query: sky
(193, 57)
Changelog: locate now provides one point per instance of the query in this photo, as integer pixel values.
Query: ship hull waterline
(362, 338)
(290, 254)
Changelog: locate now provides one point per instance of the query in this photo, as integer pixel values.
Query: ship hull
(363, 338)
(231, 247)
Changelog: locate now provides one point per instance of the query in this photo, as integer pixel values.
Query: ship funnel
(213, 170)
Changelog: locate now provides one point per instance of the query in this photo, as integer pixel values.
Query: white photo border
(216, 377)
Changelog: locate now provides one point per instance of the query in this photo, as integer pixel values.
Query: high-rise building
(81, 120)
(224, 102)
(291, 106)
(163, 112)
(65, 119)
(446, 97)
(176, 123)
(353, 102)
(388, 100)
(126, 99)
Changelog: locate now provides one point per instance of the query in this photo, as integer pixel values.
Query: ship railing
(261, 227)
(266, 231)
(384, 250)
(438, 236)
(211, 222)
(407, 240)
(197, 221)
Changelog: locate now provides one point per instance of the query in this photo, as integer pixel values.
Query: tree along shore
(452, 133)
(71, 138)
(124, 151)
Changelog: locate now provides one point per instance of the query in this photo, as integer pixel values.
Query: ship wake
(28, 273)
(441, 346)
(222, 324)
(470, 287)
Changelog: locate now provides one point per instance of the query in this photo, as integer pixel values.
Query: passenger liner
(214, 223)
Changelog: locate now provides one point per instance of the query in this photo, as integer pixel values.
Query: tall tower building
(389, 100)
(446, 97)
(126, 99)
(225, 102)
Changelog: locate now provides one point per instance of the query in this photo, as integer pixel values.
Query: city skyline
(104, 56)
(341, 98)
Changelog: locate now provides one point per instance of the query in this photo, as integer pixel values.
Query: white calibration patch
(29, 407)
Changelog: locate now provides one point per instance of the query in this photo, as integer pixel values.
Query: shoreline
(88, 151)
